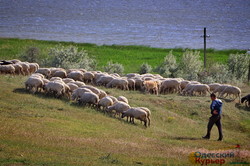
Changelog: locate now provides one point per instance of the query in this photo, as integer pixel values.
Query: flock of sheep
(80, 85)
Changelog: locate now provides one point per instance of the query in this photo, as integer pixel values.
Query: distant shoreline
(61, 41)
(131, 56)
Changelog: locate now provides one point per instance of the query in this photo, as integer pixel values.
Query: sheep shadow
(186, 138)
(21, 91)
(38, 94)
(242, 107)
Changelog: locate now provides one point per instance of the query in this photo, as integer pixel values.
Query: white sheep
(213, 86)
(201, 89)
(60, 73)
(102, 94)
(118, 83)
(131, 84)
(170, 86)
(93, 89)
(55, 79)
(88, 77)
(104, 80)
(220, 89)
(76, 75)
(105, 103)
(67, 80)
(7, 69)
(78, 92)
(148, 114)
(33, 67)
(114, 99)
(137, 113)
(79, 83)
(123, 99)
(89, 98)
(18, 69)
(57, 88)
(231, 90)
(72, 86)
(35, 83)
(184, 84)
(25, 67)
(45, 71)
(119, 107)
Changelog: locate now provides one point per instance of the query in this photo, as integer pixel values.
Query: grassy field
(130, 56)
(40, 130)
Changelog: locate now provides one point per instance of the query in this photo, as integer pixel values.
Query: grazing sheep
(60, 73)
(123, 99)
(93, 89)
(187, 89)
(37, 75)
(104, 80)
(78, 92)
(18, 69)
(231, 90)
(118, 83)
(45, 71)
(131, 84)
(33, 67)
(105, 103)
(76, 75)
(201, 89)
(213, 86)
(114, 99)
(56, 88)
(89, 98)
(45, 81)
(88, 77)
(170, 86)
(119, 107)
(68, 80)
(102, 94)
(25, 67)
(220, 89)
(138, 84)
(246, 100)
(78, 83)
(34, 83)
(136, 113)
(148, 114)
(7, 69)
(55, 79)
(184, 84)
(72, 86)
(151, 86)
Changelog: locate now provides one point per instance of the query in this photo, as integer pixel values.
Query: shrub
(216, 73)
(31, 54)
(114, 68)
(69, 57)
(238, 65)
(190, 65)
(145, 68)
(169, 67)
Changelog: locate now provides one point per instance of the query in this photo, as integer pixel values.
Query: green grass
(42, 130)
(132, 57)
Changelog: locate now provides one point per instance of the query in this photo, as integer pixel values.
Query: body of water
(156, 23)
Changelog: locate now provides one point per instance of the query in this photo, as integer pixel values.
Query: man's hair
(213, 95)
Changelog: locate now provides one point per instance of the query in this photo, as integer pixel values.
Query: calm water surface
(156, 23)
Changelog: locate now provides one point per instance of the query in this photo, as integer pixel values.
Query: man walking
(216, 110)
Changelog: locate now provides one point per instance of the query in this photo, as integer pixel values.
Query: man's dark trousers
(214, 119)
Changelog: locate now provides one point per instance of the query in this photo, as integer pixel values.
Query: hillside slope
(42, 130)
